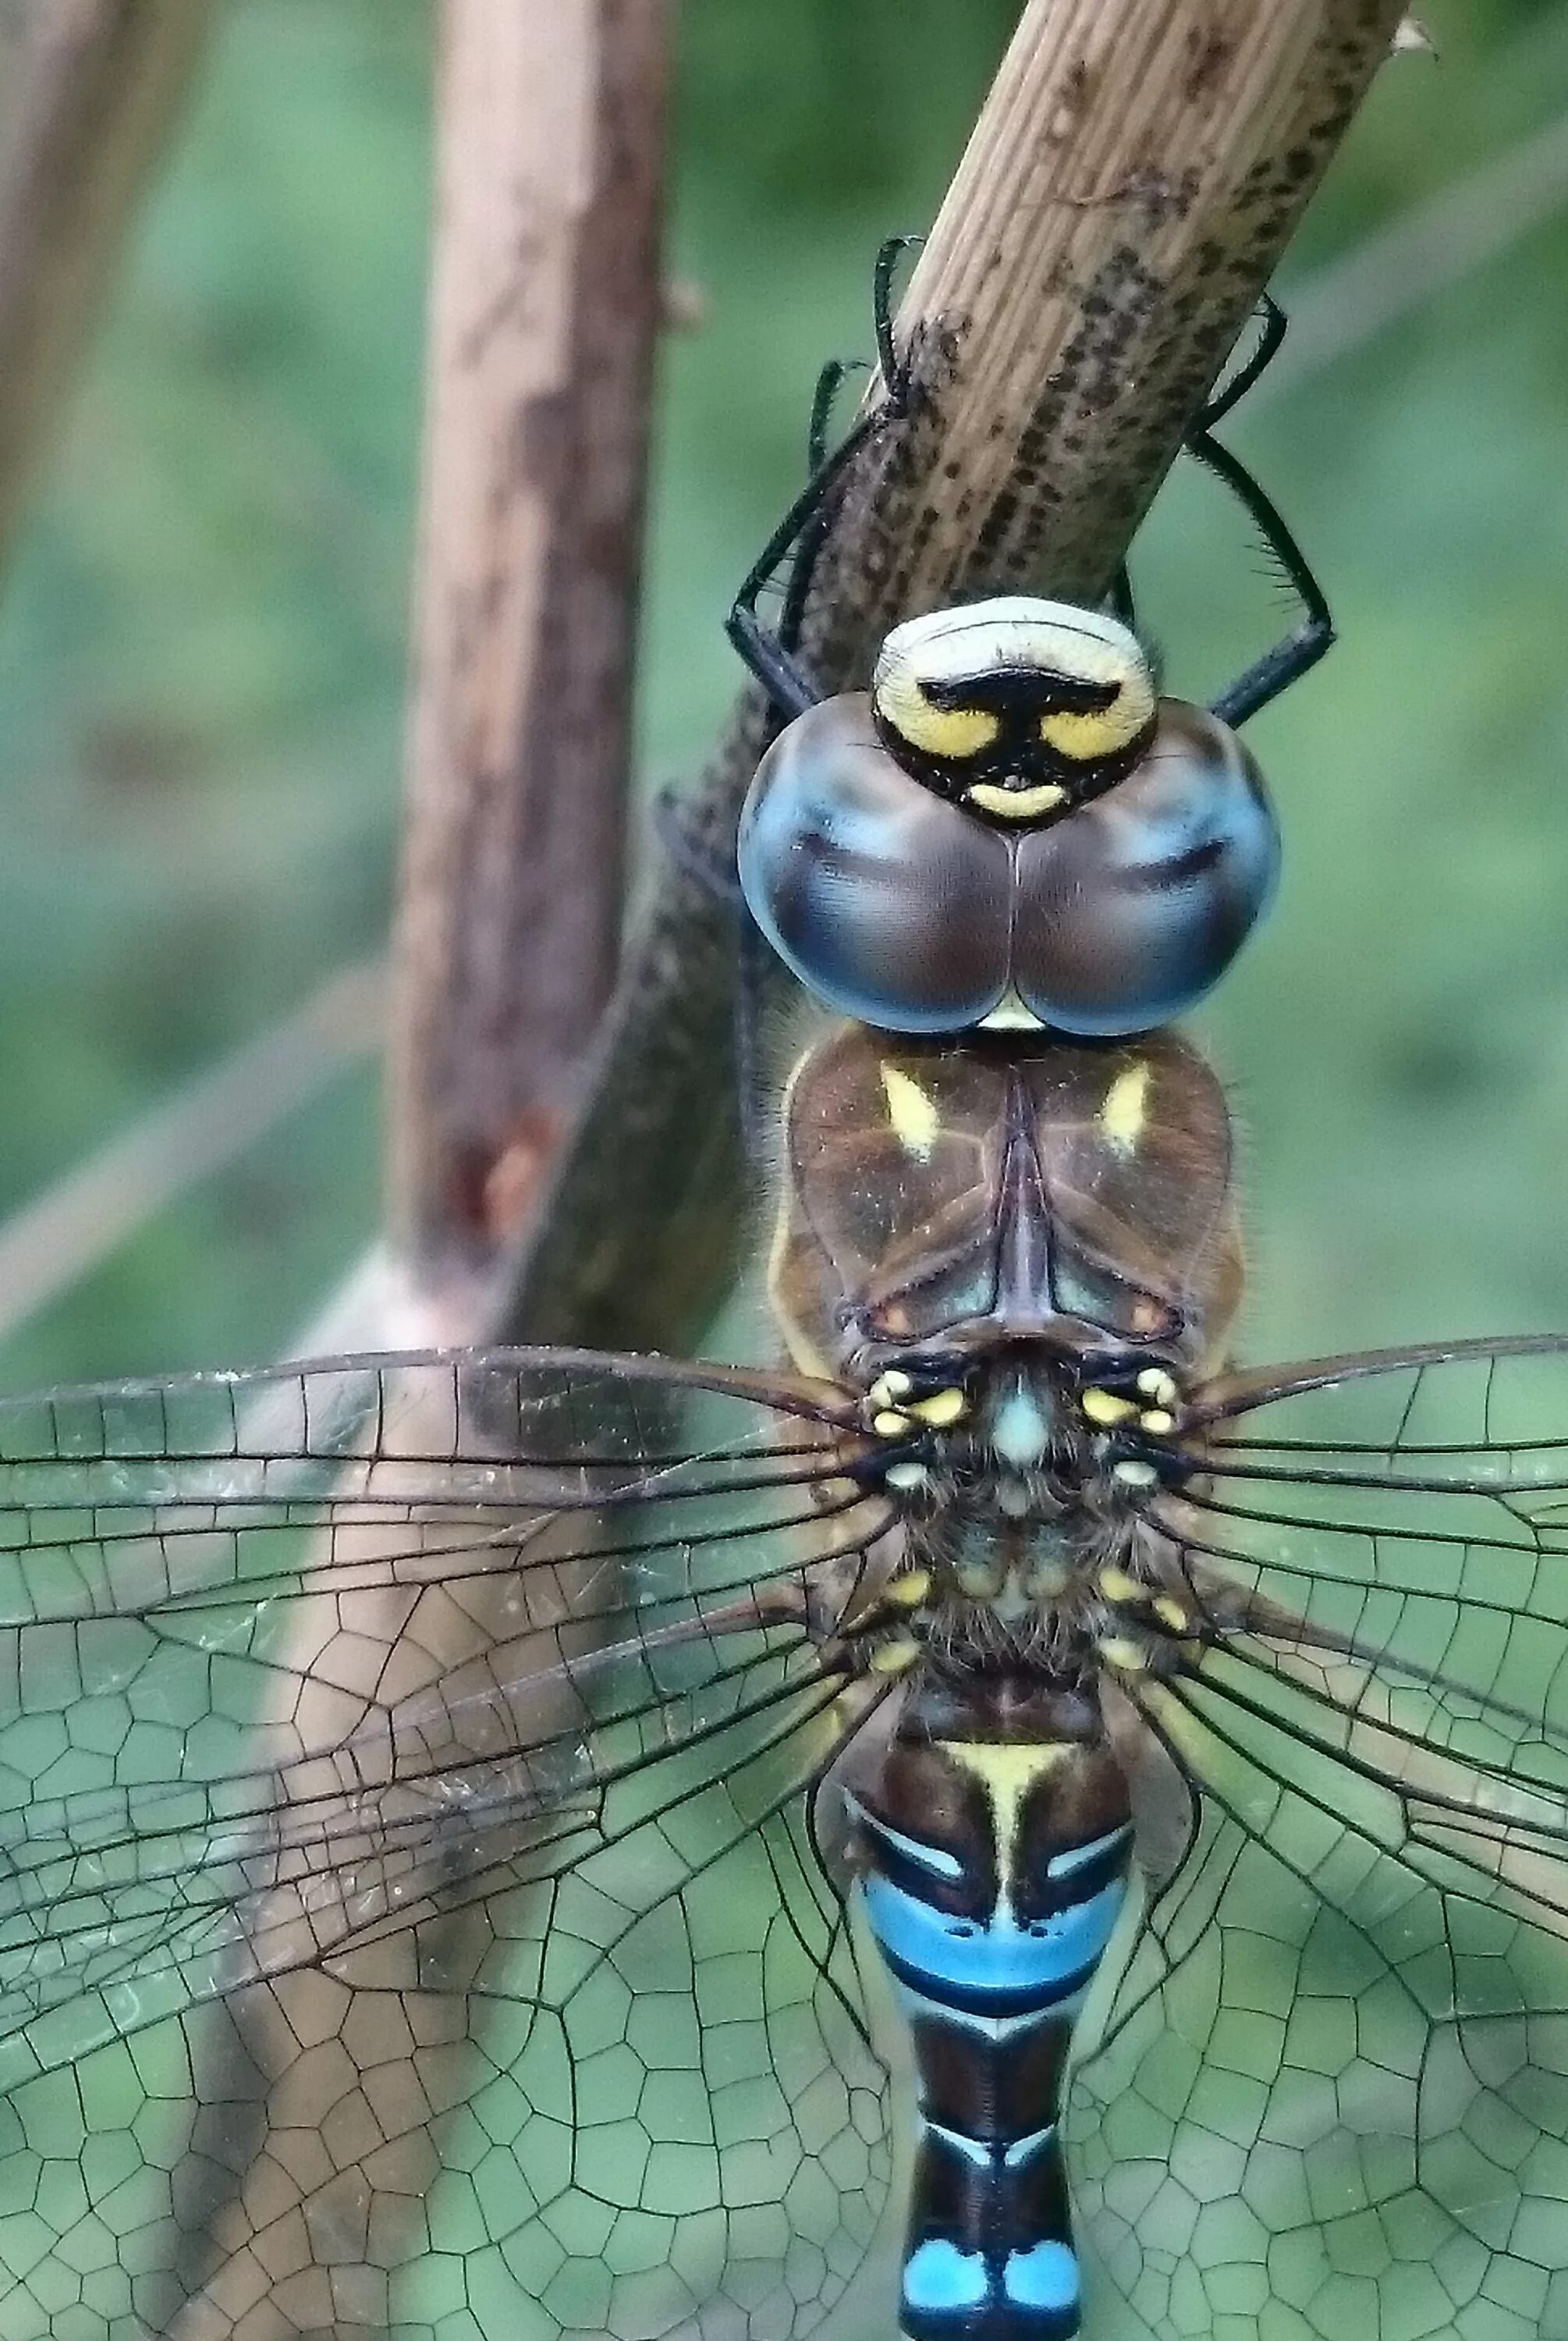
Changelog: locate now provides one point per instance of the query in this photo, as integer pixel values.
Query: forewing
(408, 1762)
(1335, 2077)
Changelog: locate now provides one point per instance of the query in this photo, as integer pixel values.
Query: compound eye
(887, 902)
(1130, 911)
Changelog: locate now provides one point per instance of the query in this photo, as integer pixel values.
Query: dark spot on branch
(544, 440)
(1208, 54)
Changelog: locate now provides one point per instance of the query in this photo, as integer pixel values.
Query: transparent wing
(1334, 2076)
(408, 1913)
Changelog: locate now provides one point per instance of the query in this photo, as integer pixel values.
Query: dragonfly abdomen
(993, 1874)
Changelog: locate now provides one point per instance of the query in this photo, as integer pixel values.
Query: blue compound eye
(900, 907)
(887, 900)
(1131, 909)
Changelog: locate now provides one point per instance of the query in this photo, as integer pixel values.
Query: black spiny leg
(772, 653)
(802, 568)
(1277, 669)
(1269, 338)
(1268, 341)
(895, 370)
(1290, 659)
(830, 382)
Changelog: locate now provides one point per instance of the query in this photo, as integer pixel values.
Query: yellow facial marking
(1020, 635)
(894, 1658)
(1157, 1422)
(1087, 738)
(1171, 1613)
(1156, 1383)
(1126, 1107)
(954, 733)
(888, 1425)
(1118, 1587)
(1007, 1773)
(1015, 804)
(917, 1123)
(1127, 1657)
(941, 1410)
(1104, 1407)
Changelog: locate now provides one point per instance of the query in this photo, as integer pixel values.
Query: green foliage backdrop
(202, 646)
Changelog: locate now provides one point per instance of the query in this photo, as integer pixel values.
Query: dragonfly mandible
(544, 1843)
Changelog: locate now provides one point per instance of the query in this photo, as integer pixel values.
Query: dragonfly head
(1017, 709)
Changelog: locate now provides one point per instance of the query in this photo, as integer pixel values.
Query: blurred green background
(203, 641)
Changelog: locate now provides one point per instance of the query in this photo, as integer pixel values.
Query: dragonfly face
(1011, 827)
(1017, 709)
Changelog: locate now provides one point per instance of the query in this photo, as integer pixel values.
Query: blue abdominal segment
(999, 1969)
(992, 1948)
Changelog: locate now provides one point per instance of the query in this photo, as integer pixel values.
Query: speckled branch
(1133, 179)
(544, 313)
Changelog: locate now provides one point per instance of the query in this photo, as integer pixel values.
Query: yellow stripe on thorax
(1122, 1116)
(913, 1113)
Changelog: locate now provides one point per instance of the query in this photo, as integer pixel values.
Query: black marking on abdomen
(993, 1933)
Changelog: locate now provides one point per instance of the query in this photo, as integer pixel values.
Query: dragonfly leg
(1233, 390)
(693, 850)
(1289, 659)
(772, 653)
(1312, 636)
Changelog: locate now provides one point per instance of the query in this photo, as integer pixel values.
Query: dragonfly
(540, 1842)
(536, 1842)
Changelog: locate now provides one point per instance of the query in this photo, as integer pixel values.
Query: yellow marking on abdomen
(1105, 1408)
(1006, 1771)
(941, 1411)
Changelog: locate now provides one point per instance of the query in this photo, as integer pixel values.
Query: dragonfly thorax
(945, 1202)
(1013, 1509)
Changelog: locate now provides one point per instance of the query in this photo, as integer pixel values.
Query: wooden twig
(1134, 176)
(94, 86)
(544, 311)
(52, 1243)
